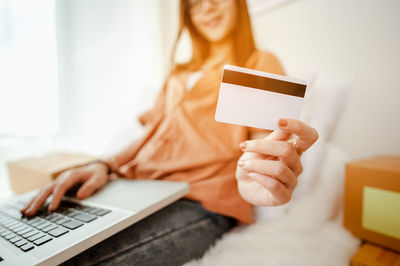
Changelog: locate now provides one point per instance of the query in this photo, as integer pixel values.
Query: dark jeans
(172, 236)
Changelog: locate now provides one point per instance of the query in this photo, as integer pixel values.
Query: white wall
(355, 41)
(110, 66)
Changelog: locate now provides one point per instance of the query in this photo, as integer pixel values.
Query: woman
(184, 143)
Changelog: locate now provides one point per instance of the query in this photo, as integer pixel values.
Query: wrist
(105, 164)
(112, 164)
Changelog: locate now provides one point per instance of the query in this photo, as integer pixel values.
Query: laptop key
(11, 225)
(20, 243)
(8, 237)
(63, 220)
(39, 222)
(102, 212)
(30, 233)
(72, 213)
(43, 225)
(19, 230)
(27, 247)
(5, 233)
(14, 226)
(49, 216)
(42, 240)
(36, 236)
(17, 227)
(25, 231)
(15, 239)
(49, 228)
(55, 218)
(91, 210)
(33, 220)
(58, 231)
(7, 222)
(72, 224)
(85, 217)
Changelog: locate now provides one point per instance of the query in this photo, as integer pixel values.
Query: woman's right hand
(91, 178)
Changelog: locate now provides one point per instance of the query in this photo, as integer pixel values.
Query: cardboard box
(33, 173)
(372, 200)
(374, 255)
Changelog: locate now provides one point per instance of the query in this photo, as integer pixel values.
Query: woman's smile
(213, 22)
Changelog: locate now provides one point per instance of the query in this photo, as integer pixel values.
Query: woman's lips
(213, 22)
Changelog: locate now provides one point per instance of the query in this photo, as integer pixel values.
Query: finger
(278, 135)
(280, 193)
(39, 200)
(23, 210)
(33, 199)
(89, 187)
(281, 149)
(63, 185)
(275, 169)
(306, 134)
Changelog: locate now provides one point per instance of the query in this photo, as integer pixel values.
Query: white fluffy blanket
(309, 233)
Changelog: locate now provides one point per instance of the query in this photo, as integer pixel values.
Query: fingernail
(28, 211)
(282, 123)
(243, 146)
(241, 163)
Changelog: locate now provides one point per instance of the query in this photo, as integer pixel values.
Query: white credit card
(258, 99)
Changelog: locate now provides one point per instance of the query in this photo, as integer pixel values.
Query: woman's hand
(267, 171)
(90, 178)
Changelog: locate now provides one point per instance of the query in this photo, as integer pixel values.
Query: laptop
(52, 238)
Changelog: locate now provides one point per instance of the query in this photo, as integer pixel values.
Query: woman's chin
(216, 37)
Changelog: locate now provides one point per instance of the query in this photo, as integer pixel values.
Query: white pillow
(324, 101)
(326, 106)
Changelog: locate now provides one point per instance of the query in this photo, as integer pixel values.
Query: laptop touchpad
(136, 194)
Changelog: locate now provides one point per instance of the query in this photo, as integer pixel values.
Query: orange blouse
(183, 142)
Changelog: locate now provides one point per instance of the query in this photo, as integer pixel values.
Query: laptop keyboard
(28, 233)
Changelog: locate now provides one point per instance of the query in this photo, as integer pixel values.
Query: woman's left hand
(267, 171)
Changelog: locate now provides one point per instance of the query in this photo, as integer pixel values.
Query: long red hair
(243, 45)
